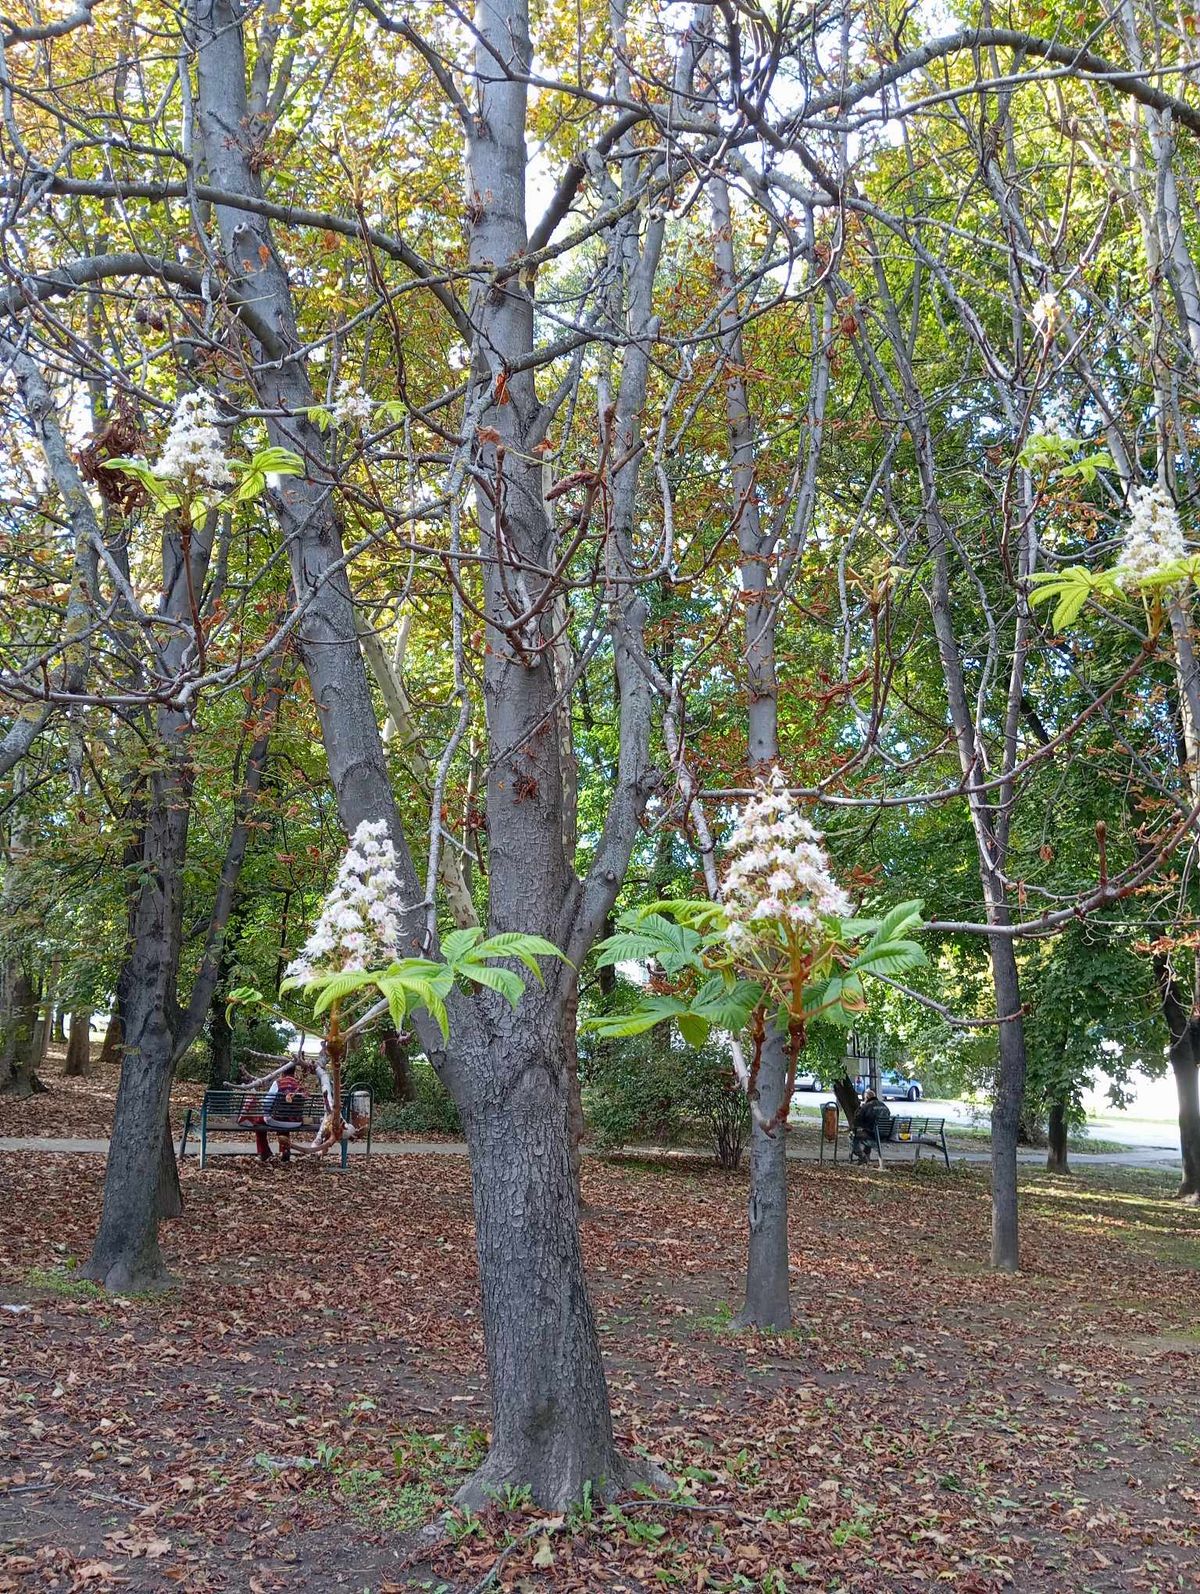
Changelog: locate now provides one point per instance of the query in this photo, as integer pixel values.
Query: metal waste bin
(829, 1128)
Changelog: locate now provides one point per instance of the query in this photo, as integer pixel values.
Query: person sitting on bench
(873, 1118)
(282, 1110)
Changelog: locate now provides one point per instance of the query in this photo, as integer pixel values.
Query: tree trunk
(395, 1050)
(220, 1040)
(551, 1428)
(79, 1046)
(138, 1186)
(59, 1033)
(125, 1256)
(169, 1200)
(20, 1033)
(767, 1303)
(1187, 1086)
(1006, 1107)
(1056, 1156)
(847, 1097)
(1183, 1030)
(110, 1051)
(575, 1123)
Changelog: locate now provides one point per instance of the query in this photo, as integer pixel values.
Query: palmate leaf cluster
(711, 987)
(252, 476)
(409, 985)
(1070, 589)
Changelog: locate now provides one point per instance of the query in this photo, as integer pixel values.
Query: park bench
(907, 1129)
(221, 1112)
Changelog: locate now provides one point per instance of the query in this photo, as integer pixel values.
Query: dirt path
(799, 1150)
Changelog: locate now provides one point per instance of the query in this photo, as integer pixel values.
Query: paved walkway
(1142, 1157)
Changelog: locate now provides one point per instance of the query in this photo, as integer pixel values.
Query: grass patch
(63, 1282)
(981, 1136)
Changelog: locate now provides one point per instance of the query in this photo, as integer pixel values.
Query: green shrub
(631, 1090)
(431, 1112)
(719, 1103)
(255, 1032)
(367, 1066)
(640, 1088)
(195, 1065)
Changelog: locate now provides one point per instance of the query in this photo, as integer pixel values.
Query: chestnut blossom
(779, 872)
(1046, 312)
(359, 925)
(1153, 537)
(194, 453)
(352, 407)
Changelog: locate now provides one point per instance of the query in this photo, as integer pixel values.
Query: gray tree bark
(511, 1093)
(1183, 1031)
(1056, 1153)
(79, 1045)
(110, 1050)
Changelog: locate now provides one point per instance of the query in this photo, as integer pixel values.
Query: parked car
(895, 1087)
(806, 1082)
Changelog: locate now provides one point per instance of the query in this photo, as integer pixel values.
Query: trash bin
(829, 1128)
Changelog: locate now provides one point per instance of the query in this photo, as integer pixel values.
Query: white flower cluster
(359, 926)
(352, 407)
(779, 871)
(1153, 538)
(1046, 312)
(193, 452)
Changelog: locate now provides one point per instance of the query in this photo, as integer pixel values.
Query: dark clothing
(283, 1111)
(872, 1118)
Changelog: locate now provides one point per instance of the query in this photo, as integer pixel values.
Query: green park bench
(222, 1110)
(906, 1130)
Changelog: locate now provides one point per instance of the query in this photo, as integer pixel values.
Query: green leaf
(627, 946)
(165, 496)
(333, 988)
(652, 1011)
(511, 986)
(460, 941)
(1070, 606)
(275, 462)
(525, 948)
(696, 914)
(694, 1028)
(727, 1003)
(890, 956)
(406, 990)
(243, 996)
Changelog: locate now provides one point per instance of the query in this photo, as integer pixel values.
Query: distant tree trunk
(20, 1032)
(847, 1097)
(79, 1047)
(396, 1051)
(1056, 1157)
(1183, 1030)
(1187, 1085)
(220, 1040)
(110, 1051)
(59, 1033)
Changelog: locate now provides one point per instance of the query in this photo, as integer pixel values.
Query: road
(1141, 1133)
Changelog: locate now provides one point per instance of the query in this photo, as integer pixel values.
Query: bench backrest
(906, 1127)
(221, 1108)
(227, 1105)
